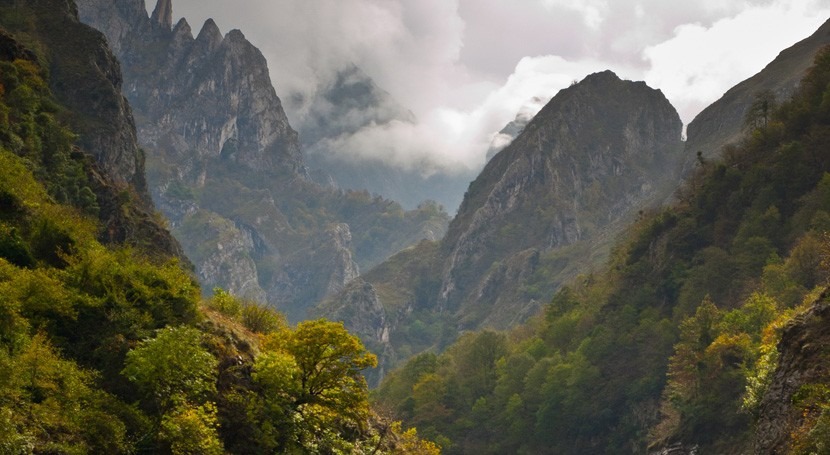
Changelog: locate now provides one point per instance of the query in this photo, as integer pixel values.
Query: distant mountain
(512, 130)
(226, 167)
(544, 208)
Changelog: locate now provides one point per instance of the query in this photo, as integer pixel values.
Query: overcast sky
(466, 67)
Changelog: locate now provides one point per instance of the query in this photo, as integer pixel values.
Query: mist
(465, 68)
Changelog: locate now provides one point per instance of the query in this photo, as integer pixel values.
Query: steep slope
(706, 332)
(80, 64)
(589, 160)
(226, 168)
(107, 349)
(723, 122)
(544, 208)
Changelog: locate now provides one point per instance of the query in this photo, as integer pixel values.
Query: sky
(465, 68)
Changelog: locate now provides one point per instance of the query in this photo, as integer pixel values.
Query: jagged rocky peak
(210, 36)
(597, 153)
(183, 27)
(163, 14)
(182, 33)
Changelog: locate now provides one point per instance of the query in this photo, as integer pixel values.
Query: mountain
(705, 331)
(724, 121)
(226, 168)
(543, 209)
(512, 130)
(586, 163)
(105, 344)
(105, 128)
(350, 105)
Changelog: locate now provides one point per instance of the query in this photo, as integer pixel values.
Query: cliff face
(598, 153)
(803, 363)
(226, 167)
(544, 209)
(86, 79)
(225, 106)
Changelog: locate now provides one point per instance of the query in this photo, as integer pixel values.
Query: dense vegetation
(676, 339)
(104, 349)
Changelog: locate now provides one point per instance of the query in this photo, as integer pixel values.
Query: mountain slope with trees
(108, 347)
(703, 334)
(544, 208)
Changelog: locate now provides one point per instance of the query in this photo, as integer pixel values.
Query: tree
(321, 363)
(172, 367)
(759, 112)
(311, 380)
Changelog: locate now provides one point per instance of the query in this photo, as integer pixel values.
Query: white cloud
(458, 139)
(697, 65)
(465, 67)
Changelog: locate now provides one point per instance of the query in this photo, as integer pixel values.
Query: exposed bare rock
(594, 156)
(86, 79)
(803, 361)
(359, 307)
(677, 449)
(316, 272)
(163, 14)
(222, 253)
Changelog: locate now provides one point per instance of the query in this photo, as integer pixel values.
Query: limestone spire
(163, 14)
(210, 35)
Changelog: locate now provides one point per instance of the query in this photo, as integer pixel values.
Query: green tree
(172, 367)
(759, 112)
(191, 430)
(320, 363)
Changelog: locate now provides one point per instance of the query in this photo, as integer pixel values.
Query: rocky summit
(226, 168)
(544, 209)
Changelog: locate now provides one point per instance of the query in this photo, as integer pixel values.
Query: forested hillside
(703, 333)
(105, 344)
(544, 208)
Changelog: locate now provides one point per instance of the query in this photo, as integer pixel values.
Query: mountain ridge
(544, 208)
(228, 170)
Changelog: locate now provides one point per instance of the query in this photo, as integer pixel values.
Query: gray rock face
(163, 14)
(359, 307)
(316, 272)
(86, 79)
(677, 449)
(803, 361)
(225, 105)
(598, 153)
(225, 260)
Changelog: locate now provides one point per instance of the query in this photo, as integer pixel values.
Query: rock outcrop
(803, 362)
(86, 79)
(598, 153)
